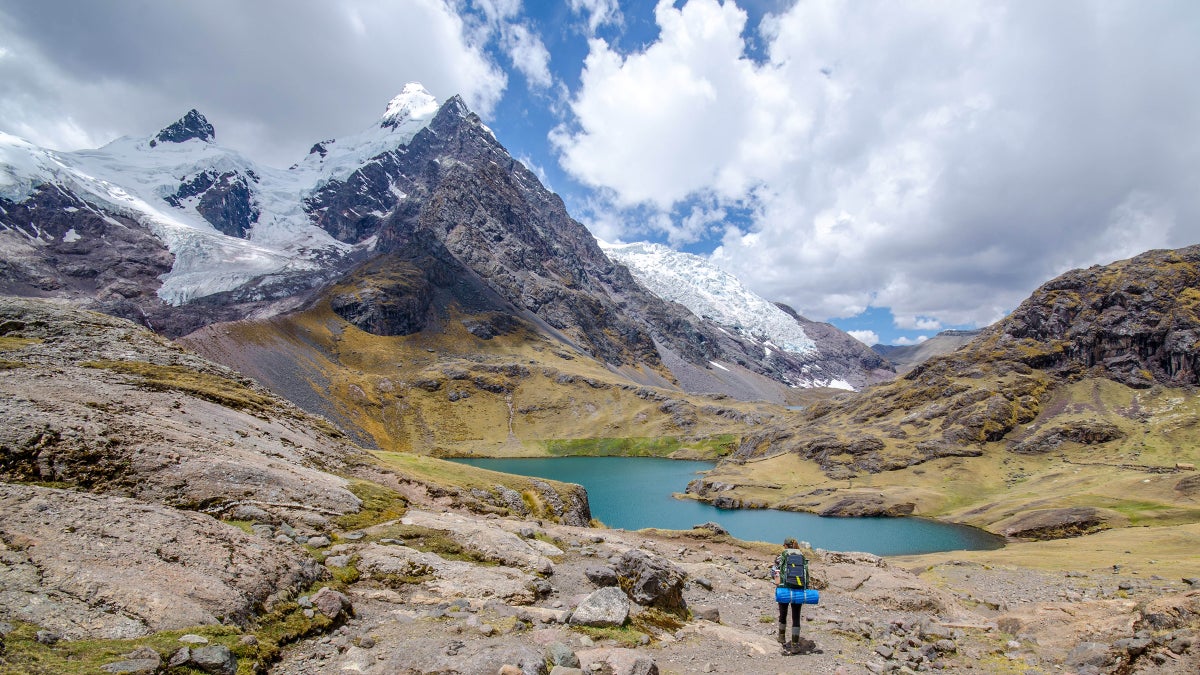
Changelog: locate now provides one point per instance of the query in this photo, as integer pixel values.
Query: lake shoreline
(620, 503)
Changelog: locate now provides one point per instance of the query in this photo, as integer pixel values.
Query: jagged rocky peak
(192, 125)
(414, 104)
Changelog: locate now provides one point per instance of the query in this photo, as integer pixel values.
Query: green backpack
(793, 569)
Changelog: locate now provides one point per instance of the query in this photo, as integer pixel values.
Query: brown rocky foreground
(417, 613)
(159, 514)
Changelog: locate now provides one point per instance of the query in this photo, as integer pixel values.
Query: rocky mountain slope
(907, 357)
(177, 232)
(164, 514)
(1075, 413)
(832, 358)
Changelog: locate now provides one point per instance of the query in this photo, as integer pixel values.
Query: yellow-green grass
(24, 655)
(380, 504)
(214, 388)
(1167, 551)
(663, 446)
(442, 473)
(12, 343)
(434, 471)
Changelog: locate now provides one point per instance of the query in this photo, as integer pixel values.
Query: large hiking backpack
(793, 569)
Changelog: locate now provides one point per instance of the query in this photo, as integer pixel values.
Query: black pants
(783, 607)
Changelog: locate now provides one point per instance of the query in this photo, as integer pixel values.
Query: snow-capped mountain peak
(407, 114)
(413, 105)
(710, 292)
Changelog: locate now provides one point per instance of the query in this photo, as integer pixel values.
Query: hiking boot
(782, 636)
(802, 646)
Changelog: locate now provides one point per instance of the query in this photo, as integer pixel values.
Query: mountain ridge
(1074, 414)
(229, 239)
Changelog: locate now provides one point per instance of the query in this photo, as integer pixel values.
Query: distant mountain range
(907, 357)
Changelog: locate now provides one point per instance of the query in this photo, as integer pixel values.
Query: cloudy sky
(893, 167)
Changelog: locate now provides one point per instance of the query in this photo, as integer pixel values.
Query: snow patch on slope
(712, 293)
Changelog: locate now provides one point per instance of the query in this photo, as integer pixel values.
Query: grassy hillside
(1077, 413)
(446, 391)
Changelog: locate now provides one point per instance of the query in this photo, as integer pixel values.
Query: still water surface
(635, 492)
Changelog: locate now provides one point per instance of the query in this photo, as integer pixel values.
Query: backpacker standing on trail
(790, 573)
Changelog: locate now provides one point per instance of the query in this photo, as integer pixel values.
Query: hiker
(790, 570)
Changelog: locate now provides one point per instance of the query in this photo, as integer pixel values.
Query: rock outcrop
(96, 566)
(1132, 322)
(193, 125)
(100, 404)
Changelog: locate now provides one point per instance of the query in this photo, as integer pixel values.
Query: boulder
(492, 542)
(1088, 654)
(618, 661)
(601, 575)
(561, 654)
(215, 659)
(141, 661)
(867, 506)
(604, 607)
(332, 603)
(651, 580)
(133, 666)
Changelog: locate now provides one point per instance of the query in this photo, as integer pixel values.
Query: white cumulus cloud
(938, 159)
(867, 337)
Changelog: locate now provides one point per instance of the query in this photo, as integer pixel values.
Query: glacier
(712, 293)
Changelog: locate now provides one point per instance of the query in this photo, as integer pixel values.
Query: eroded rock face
(1085, 432)
(56, 244)
(1058, 523)
(1133, 320)
(104, 405)
(858, 506)
(224, 199)
(388, 296)
(90, 565)
(495, 543)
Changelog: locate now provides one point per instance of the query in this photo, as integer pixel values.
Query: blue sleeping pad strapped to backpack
(796, 596)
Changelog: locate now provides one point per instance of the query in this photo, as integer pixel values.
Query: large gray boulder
(605, 607)
(331, 603)
(651, 580)
(601, 575)
(1089, 654)
(215, 659)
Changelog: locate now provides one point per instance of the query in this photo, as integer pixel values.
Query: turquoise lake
(635, 492)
